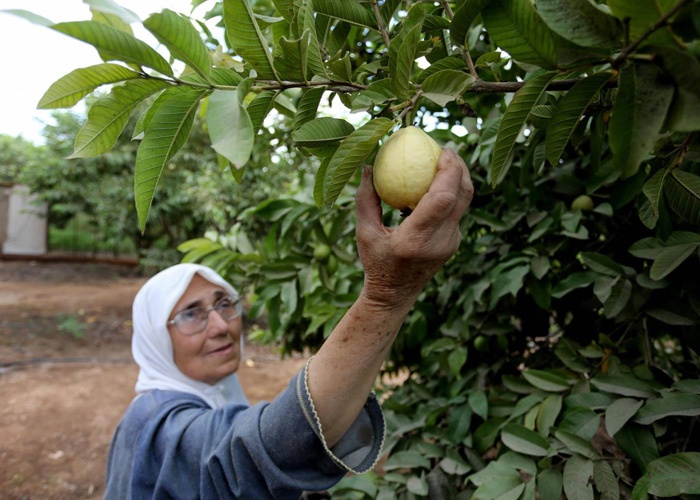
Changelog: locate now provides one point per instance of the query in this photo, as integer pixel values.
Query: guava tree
(557, 353)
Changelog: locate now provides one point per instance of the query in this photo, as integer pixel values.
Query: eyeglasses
(195, 320)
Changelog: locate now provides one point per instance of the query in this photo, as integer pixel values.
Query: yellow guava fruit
(405, 167)
(583, 202)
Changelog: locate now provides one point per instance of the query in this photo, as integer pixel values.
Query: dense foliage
(557, 352)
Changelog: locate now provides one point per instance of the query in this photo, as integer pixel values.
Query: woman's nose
(216, 324)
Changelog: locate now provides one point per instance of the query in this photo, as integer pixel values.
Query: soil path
(66, 375)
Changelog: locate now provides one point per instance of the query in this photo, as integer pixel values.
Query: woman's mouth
(222, 351)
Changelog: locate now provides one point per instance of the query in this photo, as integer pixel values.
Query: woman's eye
(224, 304)
(191, 314)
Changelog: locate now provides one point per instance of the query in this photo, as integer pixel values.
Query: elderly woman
(190, 432)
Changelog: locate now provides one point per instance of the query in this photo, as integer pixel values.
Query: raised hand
(399, 261)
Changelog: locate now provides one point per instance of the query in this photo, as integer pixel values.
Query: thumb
(367, 203)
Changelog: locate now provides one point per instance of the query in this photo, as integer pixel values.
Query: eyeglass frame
(238, 307)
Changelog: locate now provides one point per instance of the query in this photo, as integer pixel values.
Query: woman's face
(214, 353)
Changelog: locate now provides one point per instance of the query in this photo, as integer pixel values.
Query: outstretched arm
(398, 263)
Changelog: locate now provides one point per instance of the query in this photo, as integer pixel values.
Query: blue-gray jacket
(173, 445)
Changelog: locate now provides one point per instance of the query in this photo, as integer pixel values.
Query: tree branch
(336, 86)
(482, 87)
(622, 56)
(380, 23)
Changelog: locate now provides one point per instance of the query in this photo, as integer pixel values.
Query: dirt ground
(66, 374)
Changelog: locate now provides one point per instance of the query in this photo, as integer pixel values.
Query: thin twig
(465, 53)
(483, 87)
(284, 85)
(380, 23)
(410, 106)
(682, 151)
(622, 56)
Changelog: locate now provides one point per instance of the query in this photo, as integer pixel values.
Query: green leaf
(577, 444)
(351, 155)
(549, 484)
(572, 282)
(685, 69)
(605, 481)
(308, 106)
(674, 314)
(513, 120)
(291, 58)
(583, 422)
(670, 259)
(581, 22)
(319, 181)
(641, 15)
(108, 116)
(456, 360)
(417, 486)
(547, 416)
(446, 85)
(29, 16)
(454, 464)
(619, 413)
(688, 386)
(460, 420)
(111, 7)
(674, 475)
(653, 190)
(349, 11)
(625, 385)
(479, 403)
(602, 264)
(115, 44)
(682, 191)
(181, 38)
(306, 20)
(453, 63)
(230, 127)
(376, 93)
(687, 405)
(322, 132)
(523, 440)
(620, 295)
(501, 487)
(570, 110)
(654, 248)
(68, 90)
(406, 460)
(165, 135)
(546, 381)
(463, 18)
(246, 38)
(571, 359)
(639, 444)
(592, 400)
(404, 49)
(259, 108)
(508, 282)
(643, 98)
(516, 27)
(577, 474)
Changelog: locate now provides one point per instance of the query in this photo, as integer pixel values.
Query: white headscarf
(151, 345)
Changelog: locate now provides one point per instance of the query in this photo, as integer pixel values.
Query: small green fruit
(481, 343)
(583, 202)
(322, 252)
(405, 167)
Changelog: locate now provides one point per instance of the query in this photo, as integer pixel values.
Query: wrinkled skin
(398, 262)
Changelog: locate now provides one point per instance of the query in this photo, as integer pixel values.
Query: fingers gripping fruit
(405, 167)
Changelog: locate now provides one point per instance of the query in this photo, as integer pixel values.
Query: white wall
(25, 223)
